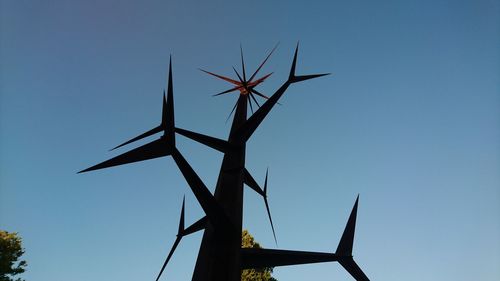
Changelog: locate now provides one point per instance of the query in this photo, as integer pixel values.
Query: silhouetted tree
(10, 252)
(261, 274)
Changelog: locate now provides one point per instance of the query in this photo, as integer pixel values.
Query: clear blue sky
(410, 120)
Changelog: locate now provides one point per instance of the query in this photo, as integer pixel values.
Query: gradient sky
(410, 120)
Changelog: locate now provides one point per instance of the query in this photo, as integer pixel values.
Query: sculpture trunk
(219, 258)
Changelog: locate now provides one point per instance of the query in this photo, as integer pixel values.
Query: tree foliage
(10, 252)
(261, 274)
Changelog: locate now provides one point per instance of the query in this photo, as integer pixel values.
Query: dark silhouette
(221, 257)
(11, 251)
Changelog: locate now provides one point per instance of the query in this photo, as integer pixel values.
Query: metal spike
(234, 107)
(294, 63)
(262, 79)
(181, 221)
(267, 208)
(144, 135)
(250, 102)
(254, 99)
(177, 239)
(176, 243)
(168, 120)
(228, 91)
(262, 95)
(239, 77)
(346, 241)
(154, 149)
(292, 78)
(243, 64)
(262, 64)
(221, 77)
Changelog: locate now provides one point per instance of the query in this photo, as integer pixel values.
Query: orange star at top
(246, 87)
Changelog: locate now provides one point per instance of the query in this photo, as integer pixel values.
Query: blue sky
(410, 120)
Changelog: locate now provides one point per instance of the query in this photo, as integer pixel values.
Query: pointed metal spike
(267, 208)
(231, 113)
(144, 135)
(347, 240)
(181, 221)
(154, 149)
(292, 78)
(254, 99)
(270, 220)
(239, 77)
(262, 79)
(265, 183)
(221, 77)
(170, 73)
(294, 63)
(260, 94)
(250, 181)
(164, 110)
(250, 102)
(228, 91)
(262, 64)
(168, 119)
(300, 78)
(243, 64)
(177, 240)
(263, 96)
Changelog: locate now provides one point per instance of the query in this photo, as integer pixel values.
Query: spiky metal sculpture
(221, 257)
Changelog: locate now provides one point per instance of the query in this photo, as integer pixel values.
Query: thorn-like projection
(262, 64)
(242, 80)
(344, 249)
(346, 242)
(243, 64)
(292, 78)
(267, 208)
(197, 226)
(250, 102)
(232, 110)
(254, 99)
(177, 239)
(250, 181)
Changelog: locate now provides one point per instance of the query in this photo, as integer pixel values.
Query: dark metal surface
(221, 257)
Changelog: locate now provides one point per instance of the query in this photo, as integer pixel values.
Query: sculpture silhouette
(221, 257)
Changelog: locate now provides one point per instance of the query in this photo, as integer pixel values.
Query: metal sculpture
(221, 257)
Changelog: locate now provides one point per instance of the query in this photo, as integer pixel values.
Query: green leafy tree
(10, 252)
(258, 274)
